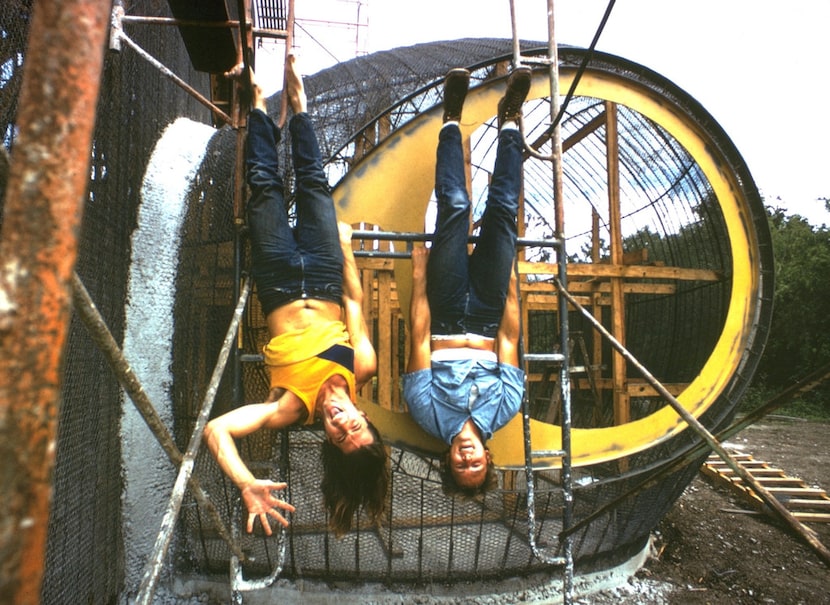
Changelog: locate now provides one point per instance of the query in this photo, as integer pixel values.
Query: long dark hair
(354, 480)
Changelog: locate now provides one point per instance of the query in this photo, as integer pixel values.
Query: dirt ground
(707, 552)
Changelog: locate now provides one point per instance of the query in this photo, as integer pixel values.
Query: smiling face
(346, 427)
(468, 458)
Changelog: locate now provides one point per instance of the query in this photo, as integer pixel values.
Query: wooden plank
(623, 271)
(592, 286)
(807, 504)
(812, 517)
(757, 471)
(769, 482)
(796, 491)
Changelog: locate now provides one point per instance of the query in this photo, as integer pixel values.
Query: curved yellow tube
(392, 186)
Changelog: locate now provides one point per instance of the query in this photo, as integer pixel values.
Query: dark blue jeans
(304, 262)
(466, 293)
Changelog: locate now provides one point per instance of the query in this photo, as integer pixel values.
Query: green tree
(798, 341)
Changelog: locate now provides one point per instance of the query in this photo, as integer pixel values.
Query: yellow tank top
(301, 361)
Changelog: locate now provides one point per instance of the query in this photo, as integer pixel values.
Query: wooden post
(621, 397)
(596, 309)
(38, 245)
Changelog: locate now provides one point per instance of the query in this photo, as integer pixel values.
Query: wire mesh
(667, 208)
(668, 211)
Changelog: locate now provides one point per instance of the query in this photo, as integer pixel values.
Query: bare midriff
(469, 341)
(300, 314)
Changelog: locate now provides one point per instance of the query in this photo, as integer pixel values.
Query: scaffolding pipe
(555, 158)
(102, 337)
(119, 35)
(38, 244)
(763, 493)
(414, 236)
(240, 114)
(260, 32)
(154, 563)
(804, 385)
(564, 328)
(410, 237)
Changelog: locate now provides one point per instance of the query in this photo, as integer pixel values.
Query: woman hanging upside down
(319, 354)
(463, 381)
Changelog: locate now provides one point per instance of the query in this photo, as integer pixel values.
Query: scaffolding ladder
(207, 32)
(562, 357)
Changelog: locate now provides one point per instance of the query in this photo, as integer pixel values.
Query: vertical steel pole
(564, 330)
(38, 249)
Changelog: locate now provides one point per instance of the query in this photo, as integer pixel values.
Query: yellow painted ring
(392, 186)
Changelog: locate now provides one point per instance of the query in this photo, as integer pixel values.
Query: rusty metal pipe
(172, 76)
(38, 248)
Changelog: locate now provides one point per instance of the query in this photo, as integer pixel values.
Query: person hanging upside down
(462, 380)
(319, 354)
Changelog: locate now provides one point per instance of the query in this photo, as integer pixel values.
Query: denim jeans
(304, 262)
(466, 293)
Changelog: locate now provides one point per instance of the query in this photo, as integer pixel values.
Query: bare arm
(507, 338)
(365, 358)
(219, 436)
(419, 314)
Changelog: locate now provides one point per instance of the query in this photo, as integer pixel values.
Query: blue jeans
(466, 293)
(304, 262)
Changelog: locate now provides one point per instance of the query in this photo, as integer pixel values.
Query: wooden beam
(609, 270)
(622, 413)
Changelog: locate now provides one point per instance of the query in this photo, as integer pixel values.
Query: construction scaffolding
(663, 271)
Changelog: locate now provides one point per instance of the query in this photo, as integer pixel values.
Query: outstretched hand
(261, 502)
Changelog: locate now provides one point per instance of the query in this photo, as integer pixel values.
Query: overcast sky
(758, 66)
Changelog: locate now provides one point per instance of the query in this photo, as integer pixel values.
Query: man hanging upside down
(319, 354)
(463, 381)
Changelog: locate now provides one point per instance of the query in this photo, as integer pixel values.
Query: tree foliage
(798, 340)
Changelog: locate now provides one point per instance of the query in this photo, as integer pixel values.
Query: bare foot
(294, 86)
(237, 72)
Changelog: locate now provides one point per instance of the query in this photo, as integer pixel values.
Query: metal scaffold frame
(563, 356)
(242, 289)
(535, 461)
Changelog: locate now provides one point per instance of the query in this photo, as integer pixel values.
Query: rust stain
(42, 214)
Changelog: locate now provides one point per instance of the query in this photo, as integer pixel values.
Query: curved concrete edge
(536, 589)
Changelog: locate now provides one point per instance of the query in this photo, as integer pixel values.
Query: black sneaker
(510, 105)
(455, 90)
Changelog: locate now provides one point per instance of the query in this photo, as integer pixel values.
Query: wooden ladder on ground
(807, 504)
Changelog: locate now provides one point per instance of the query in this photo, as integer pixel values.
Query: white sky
(758, 66)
